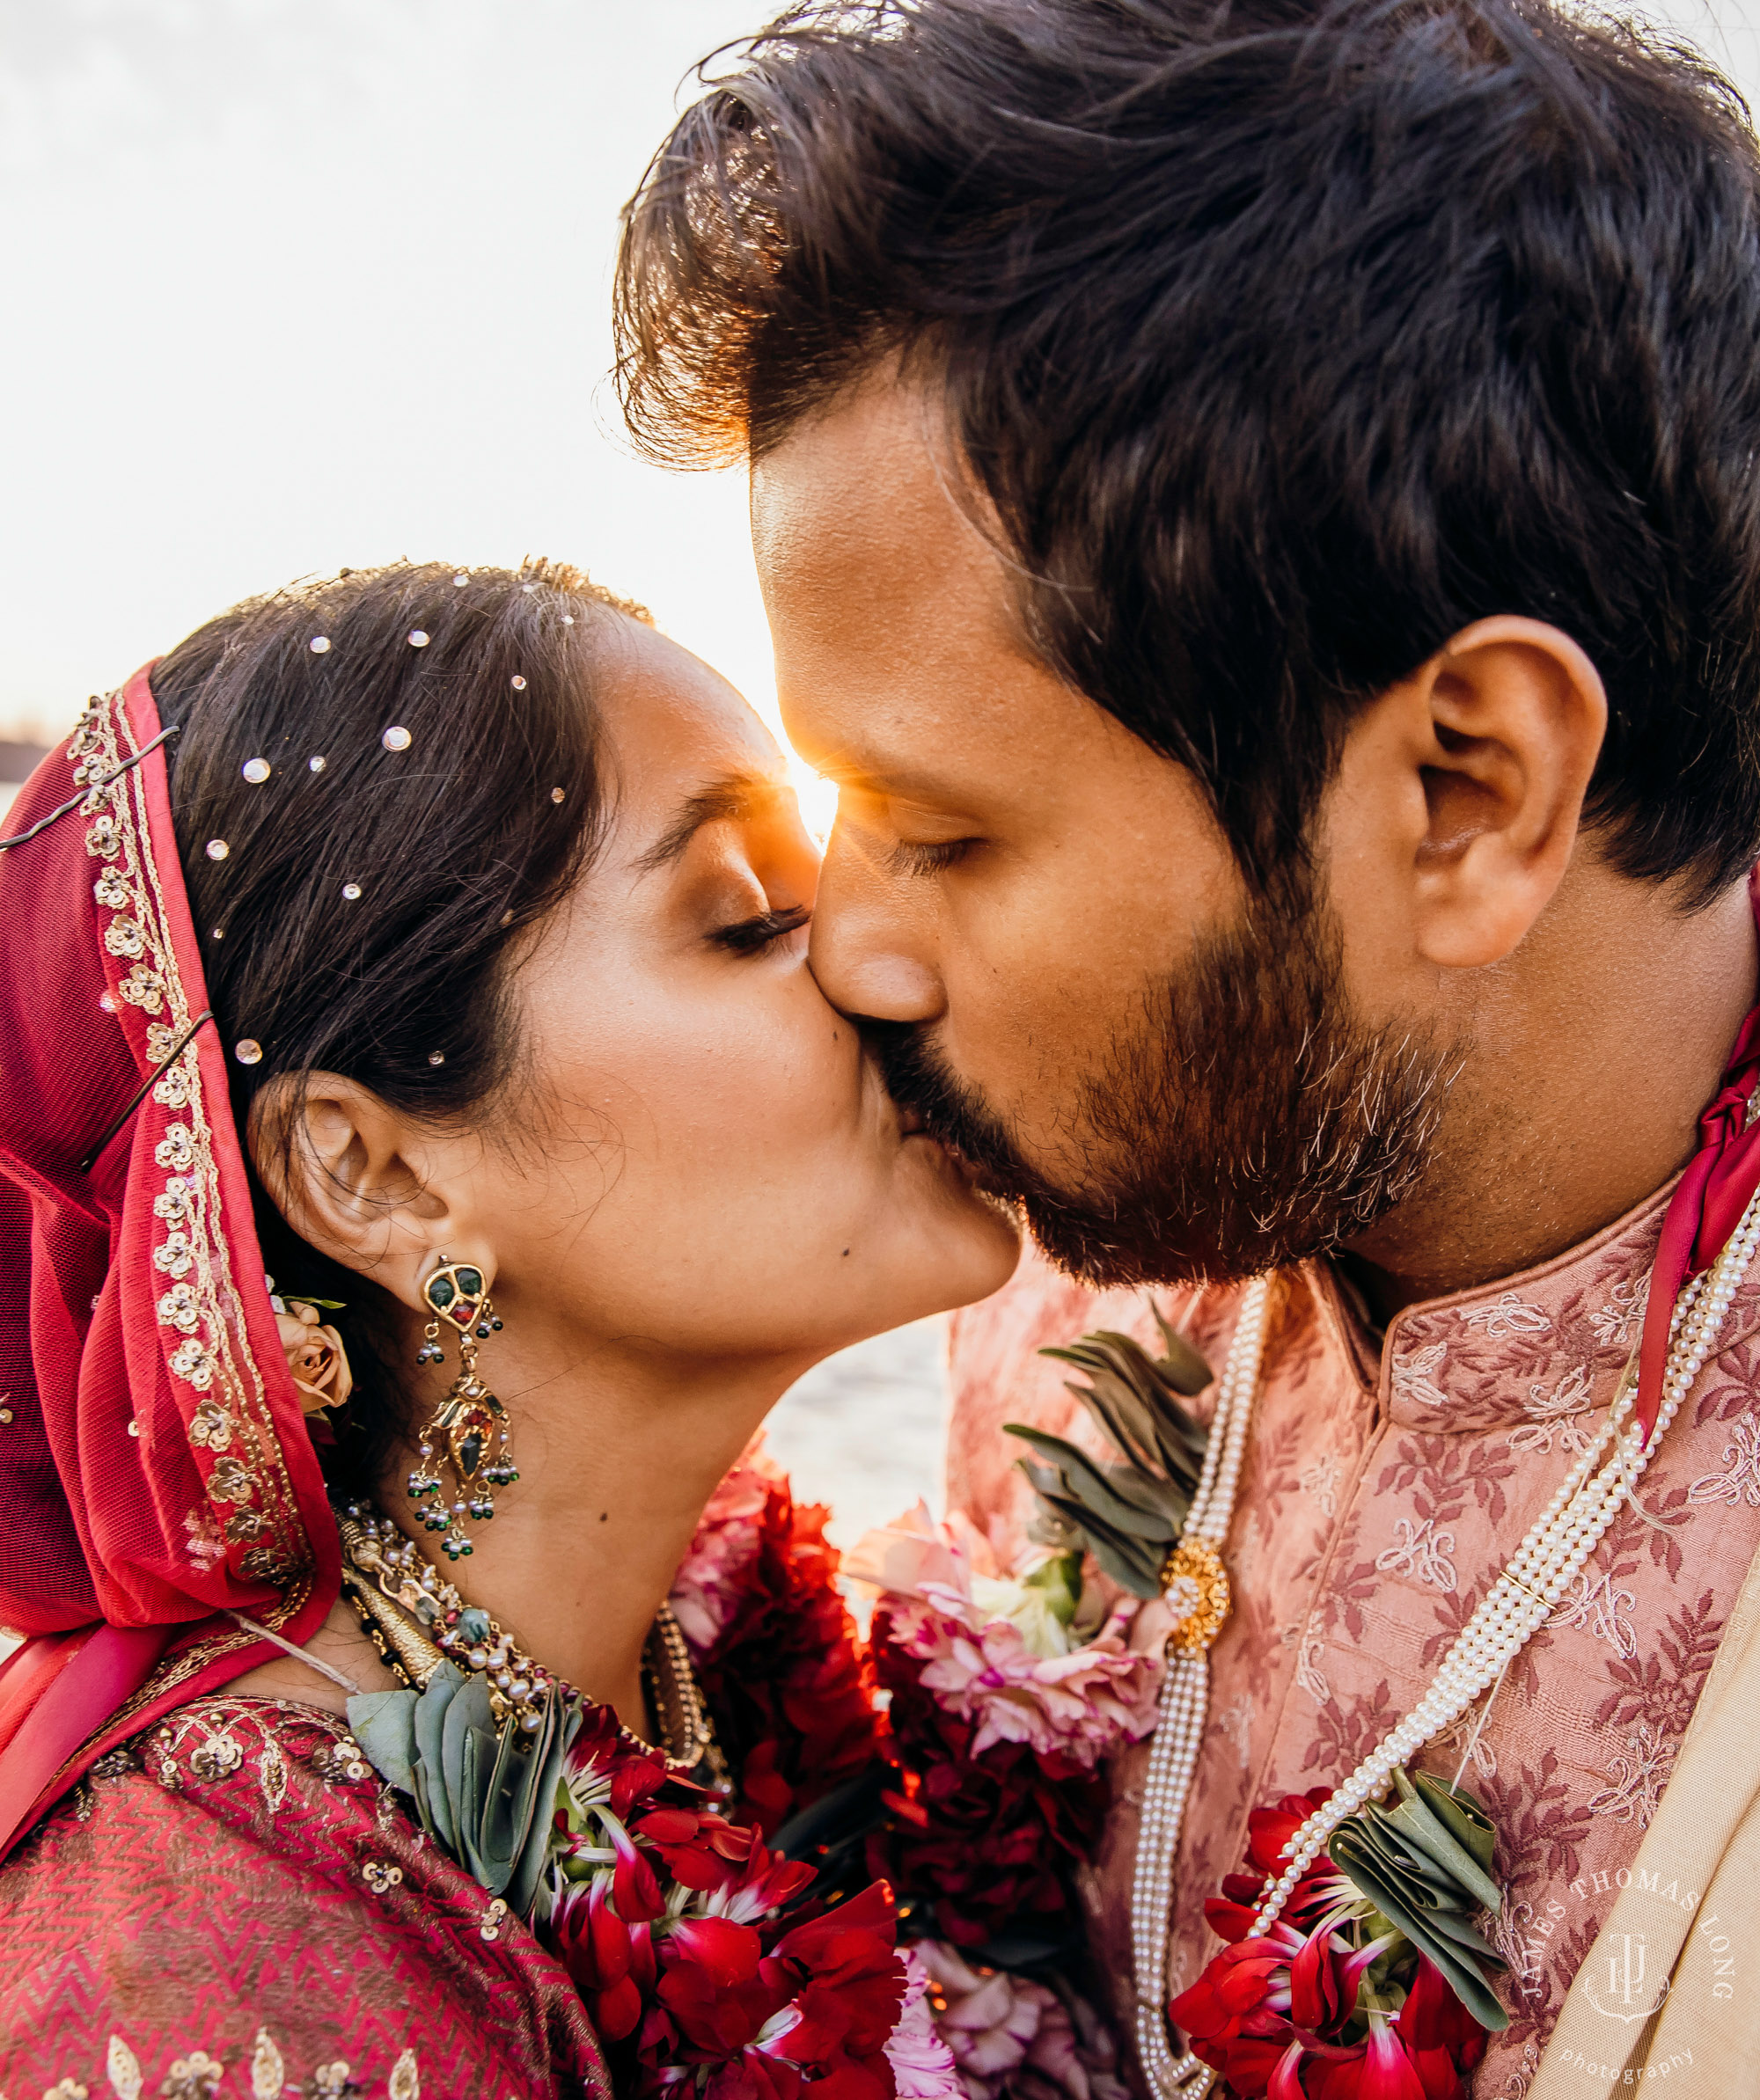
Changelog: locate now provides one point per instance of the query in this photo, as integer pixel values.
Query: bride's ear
(355, 1178)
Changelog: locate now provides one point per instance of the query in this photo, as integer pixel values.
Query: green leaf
(485, 1791)
(1135, 1566)
(384, 1725)
(1457, 1808)
(1455, 1957)
(1060, 1579)
(1420, 1820)
(1181, 1365)
(1124, 1503)
(1128, 1516)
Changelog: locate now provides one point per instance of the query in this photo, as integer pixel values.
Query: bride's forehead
(671, 726)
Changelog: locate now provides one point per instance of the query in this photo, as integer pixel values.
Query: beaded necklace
(1603, 1479)
(417, 1620)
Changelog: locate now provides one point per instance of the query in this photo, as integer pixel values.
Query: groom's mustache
(946, 1107)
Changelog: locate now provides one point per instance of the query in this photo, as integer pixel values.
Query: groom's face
(1038, 917)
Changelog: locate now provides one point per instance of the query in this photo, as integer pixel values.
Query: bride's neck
(617, 1457)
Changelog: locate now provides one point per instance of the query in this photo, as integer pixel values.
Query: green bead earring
(470, 1428)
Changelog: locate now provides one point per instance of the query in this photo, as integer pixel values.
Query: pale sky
(295, 284)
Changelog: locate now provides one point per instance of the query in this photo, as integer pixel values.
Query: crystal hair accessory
(469, 1431)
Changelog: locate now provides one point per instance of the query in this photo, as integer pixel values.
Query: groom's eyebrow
(734, 797)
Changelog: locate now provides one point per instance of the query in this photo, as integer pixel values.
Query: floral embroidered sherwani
(1387, 1480)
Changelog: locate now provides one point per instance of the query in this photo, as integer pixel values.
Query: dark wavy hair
(361, 916)
(1286, 338)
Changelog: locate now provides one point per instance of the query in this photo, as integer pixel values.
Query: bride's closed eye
(747, 936)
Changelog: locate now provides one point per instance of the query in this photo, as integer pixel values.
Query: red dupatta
(155, 1468)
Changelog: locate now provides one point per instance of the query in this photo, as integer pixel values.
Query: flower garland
(1002, 1707)
(1005, 1696)
(1334, 2001)
(777, 1656)
(675, 1924)
(709, 1962)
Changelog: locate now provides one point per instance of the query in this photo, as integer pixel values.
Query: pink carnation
(1011, 2037)
(1083, 1705)
(707, 1588)
(922, 2063)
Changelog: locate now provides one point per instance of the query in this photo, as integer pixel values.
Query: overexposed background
(295, 284)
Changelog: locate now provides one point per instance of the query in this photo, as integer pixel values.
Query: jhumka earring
(469, 1430)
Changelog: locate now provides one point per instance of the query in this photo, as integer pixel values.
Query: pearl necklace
(1568, 1530)
(1195, 1579)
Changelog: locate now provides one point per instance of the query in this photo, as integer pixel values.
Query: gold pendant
(1194, 1585)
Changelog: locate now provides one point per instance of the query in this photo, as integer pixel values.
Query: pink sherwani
(1387, 1483)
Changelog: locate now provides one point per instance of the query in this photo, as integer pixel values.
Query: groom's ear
(1459, 797)
(354, 1177)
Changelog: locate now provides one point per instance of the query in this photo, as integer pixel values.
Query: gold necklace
(417, 1620)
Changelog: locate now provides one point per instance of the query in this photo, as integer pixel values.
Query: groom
(1258, 512)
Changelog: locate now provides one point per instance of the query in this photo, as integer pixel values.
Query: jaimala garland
(1603, 1479)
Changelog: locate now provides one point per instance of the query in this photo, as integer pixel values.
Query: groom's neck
(1594, 1048)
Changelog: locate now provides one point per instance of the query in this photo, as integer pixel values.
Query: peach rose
(316, 1357)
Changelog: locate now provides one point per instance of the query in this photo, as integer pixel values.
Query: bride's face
(696, 1152)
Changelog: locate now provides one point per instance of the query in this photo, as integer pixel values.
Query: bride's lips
(912, 1123)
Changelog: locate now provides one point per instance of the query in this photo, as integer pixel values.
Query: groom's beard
(1245, 1118)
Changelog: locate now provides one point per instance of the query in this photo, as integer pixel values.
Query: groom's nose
(872, 946)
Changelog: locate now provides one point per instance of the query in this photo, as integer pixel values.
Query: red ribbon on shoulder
(1707, 1205)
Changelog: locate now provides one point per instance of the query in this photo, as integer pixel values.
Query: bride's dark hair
(434, 787)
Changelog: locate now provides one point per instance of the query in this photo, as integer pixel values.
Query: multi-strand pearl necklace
(1603, 1479)
(1197, 1581)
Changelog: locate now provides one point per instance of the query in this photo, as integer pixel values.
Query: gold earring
(470, 1427)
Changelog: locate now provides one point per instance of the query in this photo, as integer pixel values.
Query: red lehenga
(206, 1894)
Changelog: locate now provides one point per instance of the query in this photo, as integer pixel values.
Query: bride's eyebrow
(736, 796)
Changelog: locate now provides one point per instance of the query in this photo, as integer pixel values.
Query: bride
(426, 1158)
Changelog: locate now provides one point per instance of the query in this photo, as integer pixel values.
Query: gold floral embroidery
(405, 2079)
(67, 2089)
(174, 1090)
(174, 1256)
(490, 1928)
(192, 1364)
(207, 1348)
(141, 988)
(378, 1876)
(217, 1755)
(229, 1482)
(210, 1424)
(331, 2082)
(180, 1308)
(341, 1760)
(176, 1148)
(193, 2077)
